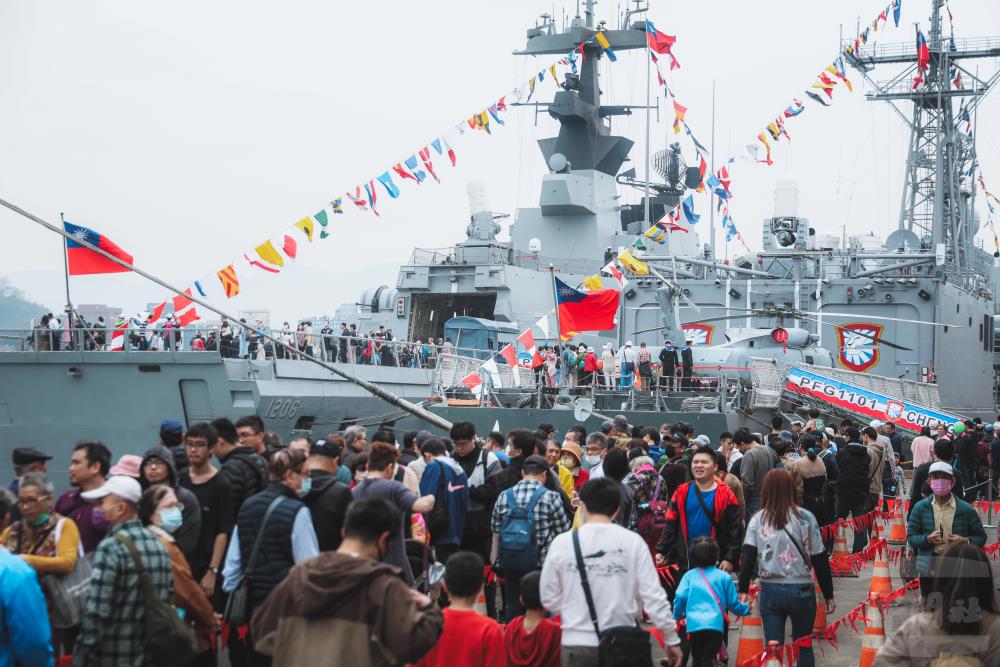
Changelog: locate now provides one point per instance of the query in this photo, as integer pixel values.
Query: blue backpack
(517, 552)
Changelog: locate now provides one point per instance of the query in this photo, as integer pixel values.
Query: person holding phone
(938, 521)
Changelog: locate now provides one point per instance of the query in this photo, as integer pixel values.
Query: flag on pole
(585, 311)
(679, 111)
(661, 43)
(632, 263)
(230, 281)
(83, 261)
(509, 354)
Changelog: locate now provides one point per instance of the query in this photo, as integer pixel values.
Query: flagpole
(555, 303)
(65, 243)
(372, 388)
(711, 204)
(646, 188)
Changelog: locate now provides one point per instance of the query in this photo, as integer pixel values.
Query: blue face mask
(171, 519)
(307, 484)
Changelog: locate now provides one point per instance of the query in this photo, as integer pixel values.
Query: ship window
(347, 421)
(809, 359)
(304, 423)
(980, 332)
(149, 368)
(970, 321)
(957, 307)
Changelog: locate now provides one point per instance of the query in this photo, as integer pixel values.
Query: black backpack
(169, 639)
(852, 475)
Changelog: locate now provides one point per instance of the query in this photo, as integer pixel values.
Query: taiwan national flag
(585, 311)
(84, 261)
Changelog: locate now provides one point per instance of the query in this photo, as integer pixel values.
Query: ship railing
(452, 367)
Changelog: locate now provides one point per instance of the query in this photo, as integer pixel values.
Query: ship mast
(939, 179)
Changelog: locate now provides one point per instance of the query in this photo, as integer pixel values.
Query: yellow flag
(552, 71)
(634, 265)
(306, 225)
(602, 40)
(269, 253)
(593, 282)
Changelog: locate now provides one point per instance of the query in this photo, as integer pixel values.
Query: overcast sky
(188, 132)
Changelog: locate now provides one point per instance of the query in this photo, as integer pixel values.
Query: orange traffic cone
(820, 623)
(841, 558)
(897, 529)
(881, 583)
(480, 604)
(773, 657)
(874, 635)
(751, 636)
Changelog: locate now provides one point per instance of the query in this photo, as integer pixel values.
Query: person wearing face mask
(571, 459)
(597, 449)
(160, 512)
(45, 540)
(113, 627)
(289, 538)
(939, 521)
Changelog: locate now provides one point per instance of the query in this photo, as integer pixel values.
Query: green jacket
(921, 524)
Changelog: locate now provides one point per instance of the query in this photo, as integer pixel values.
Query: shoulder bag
(68, 592)
(170, 642)
(621, 646)
(238, 606)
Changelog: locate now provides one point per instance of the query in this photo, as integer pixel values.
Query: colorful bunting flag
(633, 264)
(697, 144)
(269, 254)
(157, 312)
(187, 317)
(897, 7)
(772, 128)
(306, 225)
(767, 144)
(289, 246)
(372, 196)
(689, 215)
(602, 40)
(358, 199)
(794, 109)
(386, 180)
(555, 79)
(661, 43)
(230, 283)
(817, 98)
(679, 111)
(403, 173)
(531, 87)
(593, 282)
(181, 301)
(425, 157)
(655, 233)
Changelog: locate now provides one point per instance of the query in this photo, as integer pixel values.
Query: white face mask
(593, 459)
(568, 462)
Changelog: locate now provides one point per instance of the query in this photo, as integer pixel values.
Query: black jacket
(187, 535)
(246, 472)
(327, 502)
(687, 357)
(275, 557)
(852, 471)
(668, 358)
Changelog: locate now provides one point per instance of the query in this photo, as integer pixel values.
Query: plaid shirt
(644, 356)
(550, 517)
(112, 631)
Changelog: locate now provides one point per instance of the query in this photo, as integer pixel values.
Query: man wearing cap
(328, 498)
(668, 365)
(113, 627)
(172, 437)
(25, 459)
(549, 518)
(939, 521)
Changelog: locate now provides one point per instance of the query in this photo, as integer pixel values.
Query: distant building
(91, 311)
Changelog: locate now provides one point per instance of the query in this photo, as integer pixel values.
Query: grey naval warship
(908, 320)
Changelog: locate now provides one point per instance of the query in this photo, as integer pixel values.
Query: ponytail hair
(808, 444)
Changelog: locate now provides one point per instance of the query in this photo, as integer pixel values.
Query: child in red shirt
(469, 638)
(532, 640)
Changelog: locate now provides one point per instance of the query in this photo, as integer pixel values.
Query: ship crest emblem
(859, 352)
(700, 333)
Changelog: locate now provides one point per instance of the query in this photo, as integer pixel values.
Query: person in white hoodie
(621, 575)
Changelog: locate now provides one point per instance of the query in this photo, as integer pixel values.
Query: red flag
(508, 353)
(187, 317)
(586, 311)
(157, 312)
(181, 302)
(81, 260)
(660, 42)
(290, 247)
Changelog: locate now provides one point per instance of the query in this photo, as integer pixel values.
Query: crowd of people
(624, 368)
(530, 547)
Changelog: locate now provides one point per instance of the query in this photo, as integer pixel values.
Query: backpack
(653, 520)
(852, 476)
(438, 520)
(169, 640)
(518, 552)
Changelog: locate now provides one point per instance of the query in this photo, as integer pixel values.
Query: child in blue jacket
(704, 595)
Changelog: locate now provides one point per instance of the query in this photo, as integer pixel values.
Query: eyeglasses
(27, 502)
(196, 444)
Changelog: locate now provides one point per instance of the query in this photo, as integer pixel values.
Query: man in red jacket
(703, 507)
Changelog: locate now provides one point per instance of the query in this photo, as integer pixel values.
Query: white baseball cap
(122, 486)
(628, 344)
(875, 423)
(941, 466)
